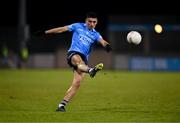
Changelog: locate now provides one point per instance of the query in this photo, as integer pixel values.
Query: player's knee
(80, 66)
(76, 59)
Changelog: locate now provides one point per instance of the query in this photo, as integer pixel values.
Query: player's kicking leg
(79, 63)
(91, 71)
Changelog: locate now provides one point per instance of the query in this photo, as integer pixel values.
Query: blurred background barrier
(156, 51)
(154, 63)
(20, 48)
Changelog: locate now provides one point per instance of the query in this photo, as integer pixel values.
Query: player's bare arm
(57, 30)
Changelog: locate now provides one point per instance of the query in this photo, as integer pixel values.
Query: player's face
(91, 23)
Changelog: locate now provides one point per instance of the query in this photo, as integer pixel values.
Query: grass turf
(112, 96)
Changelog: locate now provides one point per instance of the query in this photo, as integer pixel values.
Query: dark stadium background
(45, 14)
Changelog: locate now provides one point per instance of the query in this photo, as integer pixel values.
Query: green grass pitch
(32, 95)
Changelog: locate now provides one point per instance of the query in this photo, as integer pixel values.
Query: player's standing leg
(78, 77)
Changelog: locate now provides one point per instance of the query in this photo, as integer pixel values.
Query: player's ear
(96, 21)
(86, 20)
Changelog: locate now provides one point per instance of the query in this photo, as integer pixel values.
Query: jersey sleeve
(98, 37)
(72, 27)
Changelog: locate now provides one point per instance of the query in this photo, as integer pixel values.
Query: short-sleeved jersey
(83, 39)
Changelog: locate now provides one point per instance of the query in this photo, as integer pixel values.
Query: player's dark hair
(91, 15)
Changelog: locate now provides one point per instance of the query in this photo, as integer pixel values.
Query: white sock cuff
(60, 105)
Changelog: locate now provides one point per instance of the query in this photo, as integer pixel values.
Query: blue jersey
(83, 38)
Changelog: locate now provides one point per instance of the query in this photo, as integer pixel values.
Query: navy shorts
(69, 56)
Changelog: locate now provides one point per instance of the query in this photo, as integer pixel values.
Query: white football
(134, 37)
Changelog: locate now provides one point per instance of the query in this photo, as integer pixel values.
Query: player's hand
(108, 48)
(40, 33)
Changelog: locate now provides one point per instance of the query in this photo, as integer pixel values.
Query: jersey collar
(93, 30)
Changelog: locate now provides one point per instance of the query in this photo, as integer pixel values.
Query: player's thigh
(76, 60)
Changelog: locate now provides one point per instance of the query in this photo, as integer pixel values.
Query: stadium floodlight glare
(158, 28)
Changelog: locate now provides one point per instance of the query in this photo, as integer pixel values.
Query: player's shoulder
(96, 32)
(75, 25)
(78, 24)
